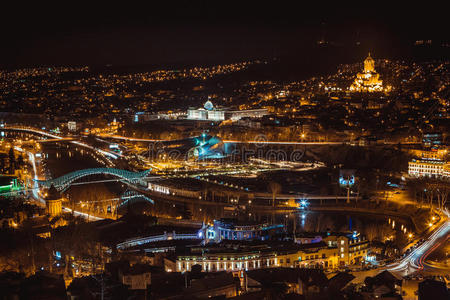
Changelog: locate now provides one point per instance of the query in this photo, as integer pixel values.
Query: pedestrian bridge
(62, 183)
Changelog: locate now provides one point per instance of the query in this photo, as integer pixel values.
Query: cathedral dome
(369, 64)
(208, 105)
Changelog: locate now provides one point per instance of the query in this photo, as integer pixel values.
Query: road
(131, 139)
(41, 201)
(106, 154)
(262, 142)
(414, 261)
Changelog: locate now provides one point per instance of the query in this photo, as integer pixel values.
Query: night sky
(205, 32)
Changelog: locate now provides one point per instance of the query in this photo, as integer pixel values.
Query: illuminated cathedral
(369, 80)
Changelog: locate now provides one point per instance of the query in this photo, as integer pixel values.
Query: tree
(2, 162)
(438, 189)
(416, 188)
(12, 160)
(78, 239)
(443, 192)
(371, 232)
(274, 188)
(20, 162)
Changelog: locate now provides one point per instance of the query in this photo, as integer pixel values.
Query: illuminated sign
(346, 178)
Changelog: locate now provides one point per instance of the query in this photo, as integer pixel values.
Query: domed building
(369, 80)
(209, 112)
(53, 202)
(208, 105)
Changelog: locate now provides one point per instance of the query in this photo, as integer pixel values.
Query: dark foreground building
(432, 289)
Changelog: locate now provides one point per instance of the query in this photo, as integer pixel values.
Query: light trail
(125, 138)
(424, 257)
(81, 214)
(35, 192)
(414, 261)
(119, 137)
(282, 142)
(57, 137)
(35, 189)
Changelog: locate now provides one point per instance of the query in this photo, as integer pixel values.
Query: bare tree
(371, 231)
(274, 188)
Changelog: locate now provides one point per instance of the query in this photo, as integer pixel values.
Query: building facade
(230, 229)
(333, 252)
(429, 168)
(236, 261)
(210, 113)
(53, 202)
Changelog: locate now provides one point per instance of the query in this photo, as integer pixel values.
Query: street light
(303, 203)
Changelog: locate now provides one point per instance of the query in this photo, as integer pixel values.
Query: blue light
(347, 182)
(303, 203)
(211, 234)
(58, 254)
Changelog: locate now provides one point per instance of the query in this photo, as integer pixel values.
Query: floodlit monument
(211, 113)
(369, 80)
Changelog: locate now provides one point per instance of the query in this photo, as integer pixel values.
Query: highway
(414, 261)
(106, 154)
(259, 142)
(262, 142)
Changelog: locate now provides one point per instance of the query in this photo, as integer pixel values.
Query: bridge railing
(63, 182)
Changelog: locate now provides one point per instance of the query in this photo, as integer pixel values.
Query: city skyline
(235, 150)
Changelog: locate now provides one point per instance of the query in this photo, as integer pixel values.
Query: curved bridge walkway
(62, 183)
